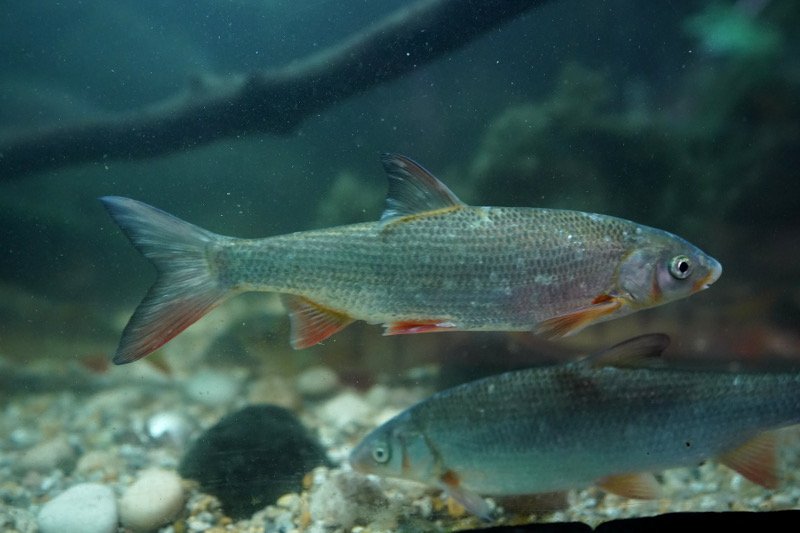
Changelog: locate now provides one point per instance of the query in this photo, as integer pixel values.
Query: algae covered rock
(251, 457)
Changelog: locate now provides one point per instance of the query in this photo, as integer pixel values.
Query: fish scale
(569, 426)
(460, 270)
(432, 263)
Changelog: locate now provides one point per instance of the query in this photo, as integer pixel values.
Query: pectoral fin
(642, 485)
(451, 484)
(575, 321)
(418, 326)
(755, 460)
(312, 323)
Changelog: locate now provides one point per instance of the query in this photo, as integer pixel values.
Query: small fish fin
(418, 326)
(185, 289)
(413, 190)
(311, 322)
(756, 460)
(641, 485)
(575, 321)
(472, 502)
(643, 351)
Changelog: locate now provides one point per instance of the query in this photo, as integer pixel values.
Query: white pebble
(344, 409)
(84, 508)
(317, 382)
(214, 389)
(152, 501)
(169, 426)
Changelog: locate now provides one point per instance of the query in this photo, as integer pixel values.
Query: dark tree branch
(270, 102)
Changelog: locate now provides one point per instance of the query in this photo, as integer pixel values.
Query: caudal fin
(185, 289)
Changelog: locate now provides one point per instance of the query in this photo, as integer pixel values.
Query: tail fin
(186, 288)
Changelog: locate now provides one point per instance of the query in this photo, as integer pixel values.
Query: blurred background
(680, 115)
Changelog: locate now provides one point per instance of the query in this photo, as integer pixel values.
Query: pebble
(215, 389)
(346, 499)
(317, 382)
(84, 508)
(169, 427)
(275, 390)
(49, 455)
(345, 408)
(99, 462)
(153, 500)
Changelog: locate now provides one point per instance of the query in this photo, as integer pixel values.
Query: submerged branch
(274, 101)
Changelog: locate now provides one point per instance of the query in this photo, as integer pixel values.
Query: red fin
(186, 288)
(601, 298)
(642, 485)
(311, 322)
(471, 501)
(418, 326)
(755, 460)
(570, 323)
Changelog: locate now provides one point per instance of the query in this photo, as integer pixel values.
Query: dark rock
(252, 457)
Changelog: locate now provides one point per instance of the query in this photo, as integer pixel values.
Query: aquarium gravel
(119, 435)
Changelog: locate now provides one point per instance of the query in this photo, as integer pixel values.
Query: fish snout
(714, 272)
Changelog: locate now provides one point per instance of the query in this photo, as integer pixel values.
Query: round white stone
(84, 508)
(317, 381)
(152, 501)
(212, 388)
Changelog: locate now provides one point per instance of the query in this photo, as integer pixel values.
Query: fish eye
(381, 453)
(680, 267)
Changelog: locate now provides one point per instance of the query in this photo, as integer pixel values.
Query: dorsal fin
(412, 189)
(638, 352)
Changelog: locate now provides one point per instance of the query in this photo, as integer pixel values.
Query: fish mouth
(714, 272)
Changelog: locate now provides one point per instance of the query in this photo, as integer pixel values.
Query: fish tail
(186, 287)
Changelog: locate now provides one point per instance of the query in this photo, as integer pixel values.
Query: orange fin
(413, 190)
(641, 485)
(575, 321)
(472, 502)
(755, 460)
(311, 322)
(418, 326)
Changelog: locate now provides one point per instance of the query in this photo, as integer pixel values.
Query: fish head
(662, 268)
(395, 450)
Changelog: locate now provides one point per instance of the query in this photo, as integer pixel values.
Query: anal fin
(640, 485)
(575, 321)
(312, 323)
(756, 460)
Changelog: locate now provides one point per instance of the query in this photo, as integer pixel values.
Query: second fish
(432, 263)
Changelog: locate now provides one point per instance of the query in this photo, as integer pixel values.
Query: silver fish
(610, 419)
(432, 263)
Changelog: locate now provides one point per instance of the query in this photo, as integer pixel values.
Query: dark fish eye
(380, 453)
(680, 267)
